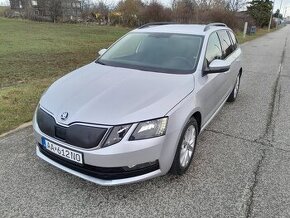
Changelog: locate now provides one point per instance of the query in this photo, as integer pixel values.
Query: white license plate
(63, 152)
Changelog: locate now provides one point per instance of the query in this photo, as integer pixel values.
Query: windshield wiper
(100, 62)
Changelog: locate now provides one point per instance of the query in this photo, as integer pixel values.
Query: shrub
(11, 13)
(155, 12)
(220, 15)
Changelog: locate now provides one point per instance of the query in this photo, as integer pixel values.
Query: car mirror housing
(102, 51)
(217, 66)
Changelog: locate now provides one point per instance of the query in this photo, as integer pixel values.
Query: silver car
(135, 113)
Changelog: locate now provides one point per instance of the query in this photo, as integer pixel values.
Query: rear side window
(234, 40)
(214, 50)
(226, 43)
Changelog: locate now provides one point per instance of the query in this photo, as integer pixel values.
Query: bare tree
(183, 10)
(101, 11)
(155, 12)
(86, 9)
(130, 11)
(236, 5)
(55, 9)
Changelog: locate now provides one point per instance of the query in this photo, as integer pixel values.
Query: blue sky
(285, 3)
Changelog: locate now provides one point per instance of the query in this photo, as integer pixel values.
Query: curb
(22, 126)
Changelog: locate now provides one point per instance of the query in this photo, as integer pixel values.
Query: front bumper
(103, 166)
(97, 180)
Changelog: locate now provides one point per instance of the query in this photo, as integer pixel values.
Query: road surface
(241, 166)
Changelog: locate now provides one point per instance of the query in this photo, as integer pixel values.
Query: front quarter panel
(178, 117)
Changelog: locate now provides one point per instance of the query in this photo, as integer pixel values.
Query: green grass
(260, 32)
(33, 55)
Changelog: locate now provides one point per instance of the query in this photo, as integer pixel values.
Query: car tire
(234, 94)
(186, 146)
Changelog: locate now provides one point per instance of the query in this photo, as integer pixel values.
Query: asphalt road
(241, 166)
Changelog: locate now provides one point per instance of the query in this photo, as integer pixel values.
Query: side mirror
(102, 51)
(217, 66)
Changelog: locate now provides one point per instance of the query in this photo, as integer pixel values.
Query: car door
(229, 56)
(235, 56)
(211, 88)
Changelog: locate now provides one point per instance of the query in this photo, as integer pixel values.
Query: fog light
(143, 165)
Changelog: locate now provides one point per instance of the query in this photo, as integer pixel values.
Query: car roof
(193, 29)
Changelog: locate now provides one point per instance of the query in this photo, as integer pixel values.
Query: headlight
(150, 129)
(116, 135)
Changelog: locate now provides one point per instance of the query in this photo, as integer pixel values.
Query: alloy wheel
(236, 90)
(187, 146)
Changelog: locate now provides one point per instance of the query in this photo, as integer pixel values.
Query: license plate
(63, 152)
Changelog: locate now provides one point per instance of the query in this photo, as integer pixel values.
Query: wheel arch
(197, 116)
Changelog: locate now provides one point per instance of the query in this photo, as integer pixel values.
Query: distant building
(18, 4)
(71, 9)
(278, 21)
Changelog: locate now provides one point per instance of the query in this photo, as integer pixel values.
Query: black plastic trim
(105, 173)
(78, 135)
(156, 24)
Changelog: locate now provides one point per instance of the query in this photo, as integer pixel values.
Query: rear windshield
(160, 52)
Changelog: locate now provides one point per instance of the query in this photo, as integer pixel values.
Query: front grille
(106, 173)
(77, 135)
(60, 132)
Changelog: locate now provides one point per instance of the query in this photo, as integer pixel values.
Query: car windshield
(159, 52)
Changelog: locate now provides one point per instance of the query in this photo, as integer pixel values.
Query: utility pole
(270, 21)
(285, 12)
(280, 12)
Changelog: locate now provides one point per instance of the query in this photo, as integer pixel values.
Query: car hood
(111, 95)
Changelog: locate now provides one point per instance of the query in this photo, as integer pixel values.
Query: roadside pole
(270, 21)
(245, 29)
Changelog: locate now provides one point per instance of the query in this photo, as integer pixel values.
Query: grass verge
(33, 55)
(259, 33)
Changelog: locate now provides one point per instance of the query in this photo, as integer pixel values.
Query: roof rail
(208, 26)
(155, 24)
